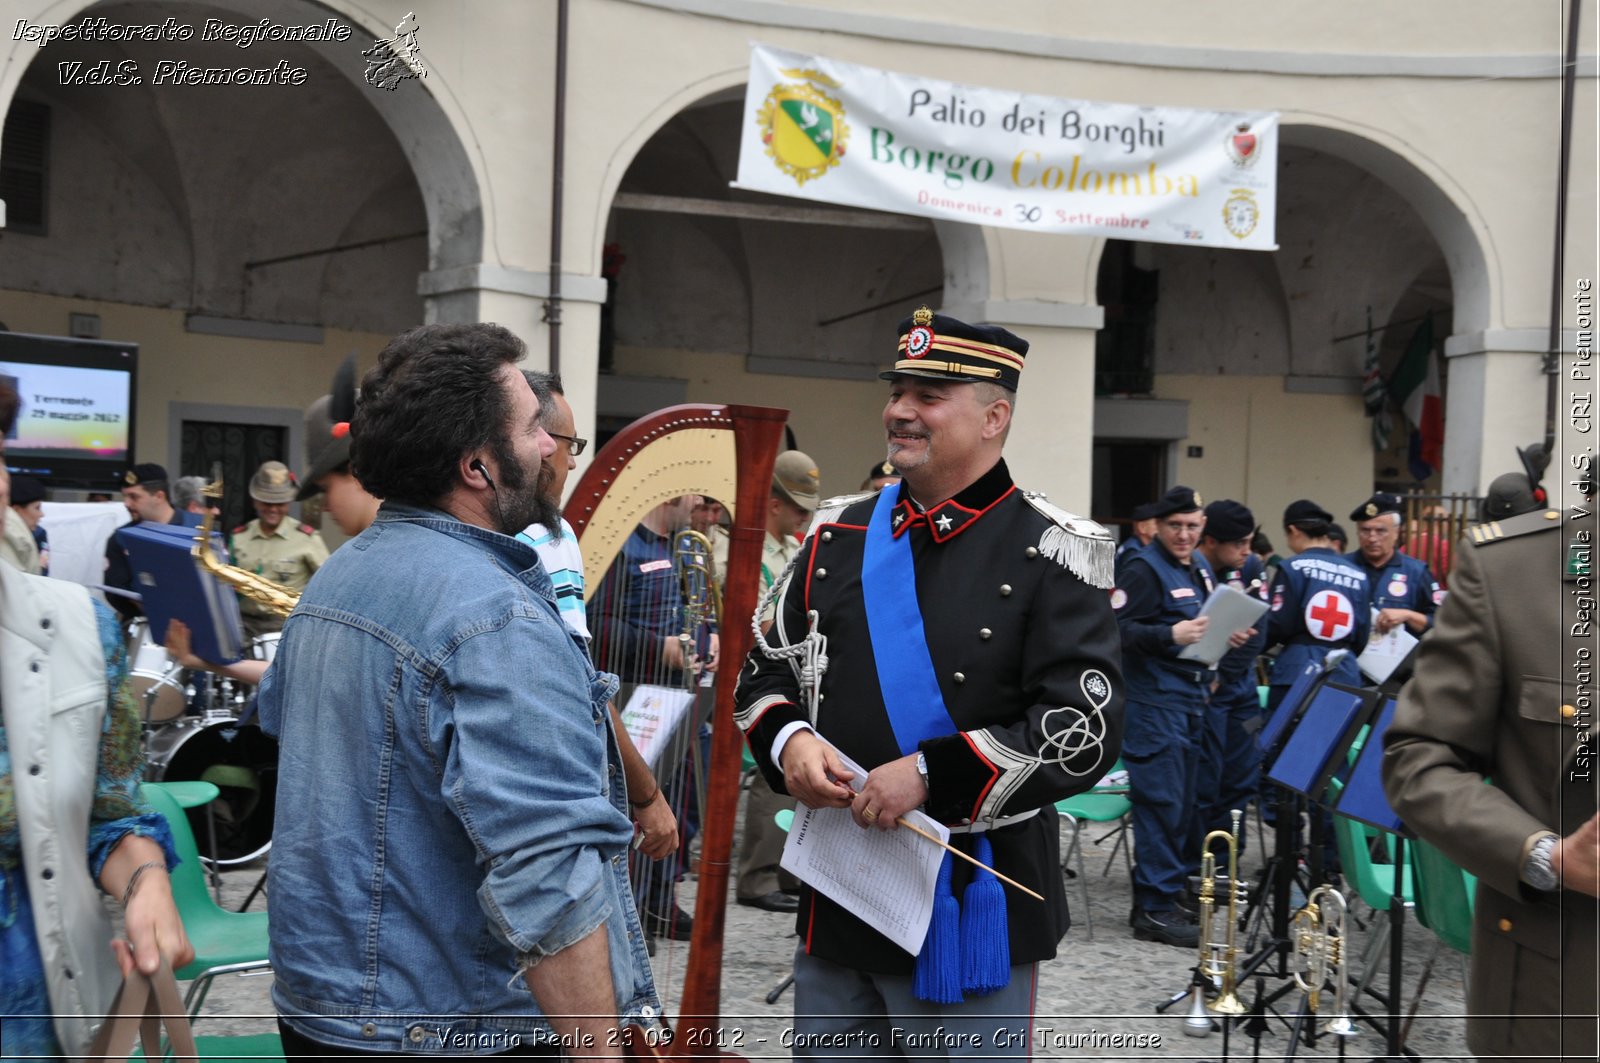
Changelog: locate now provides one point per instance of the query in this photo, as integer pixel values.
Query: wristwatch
(922, 766)
(1537, 871)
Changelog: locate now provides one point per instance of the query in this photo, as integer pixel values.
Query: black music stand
(1364, 800)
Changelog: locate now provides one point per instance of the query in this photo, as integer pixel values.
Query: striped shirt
(563, 560)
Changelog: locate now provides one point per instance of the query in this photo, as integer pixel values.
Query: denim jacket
(450, 801)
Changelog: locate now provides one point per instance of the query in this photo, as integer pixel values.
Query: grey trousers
(840, 1013)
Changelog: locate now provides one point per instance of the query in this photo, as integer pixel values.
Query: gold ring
(870, 814)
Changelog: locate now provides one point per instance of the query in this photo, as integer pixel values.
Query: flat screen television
(75, 423)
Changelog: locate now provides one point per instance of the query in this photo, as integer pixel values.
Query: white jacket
(53, 694)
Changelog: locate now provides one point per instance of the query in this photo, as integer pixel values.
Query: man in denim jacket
(449, 872)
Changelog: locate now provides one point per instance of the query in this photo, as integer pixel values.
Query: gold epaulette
(1522, 524)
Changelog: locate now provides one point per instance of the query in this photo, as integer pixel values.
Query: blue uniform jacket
(1320, 602)
(1236, 669)
(1154, 592)
(1405, 582)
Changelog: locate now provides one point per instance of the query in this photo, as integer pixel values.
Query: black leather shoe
(776, 901)
(1169, 927)
(675, 927)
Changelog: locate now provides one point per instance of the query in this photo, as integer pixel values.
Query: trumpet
(1318, 932)
(1219, 959)
(697, 580)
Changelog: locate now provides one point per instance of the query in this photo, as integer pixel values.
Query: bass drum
(242, 762)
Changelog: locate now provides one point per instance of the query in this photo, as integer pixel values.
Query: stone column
(1052, 438)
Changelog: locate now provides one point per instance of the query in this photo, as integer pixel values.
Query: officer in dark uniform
(973, 671)
(1230, 764)
(1159, 595)
(1320, 602)
(147, 494)
(1402, 588)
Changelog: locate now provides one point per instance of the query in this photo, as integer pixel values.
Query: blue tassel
(985, 936)
(938, 973)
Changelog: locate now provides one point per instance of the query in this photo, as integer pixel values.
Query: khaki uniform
(1496, 696)
(289, 555)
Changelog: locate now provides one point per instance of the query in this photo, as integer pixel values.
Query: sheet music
(652, 715)
(1384, 653)
(1230, 610)
(884, 878)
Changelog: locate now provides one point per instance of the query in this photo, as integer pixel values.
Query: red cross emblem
(1329, 616)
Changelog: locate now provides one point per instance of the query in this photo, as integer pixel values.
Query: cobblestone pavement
(1097, 998)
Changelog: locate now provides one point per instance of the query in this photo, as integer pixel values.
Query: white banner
(823, 130)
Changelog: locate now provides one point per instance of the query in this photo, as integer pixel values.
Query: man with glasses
(1162, 588)
(1402, 587)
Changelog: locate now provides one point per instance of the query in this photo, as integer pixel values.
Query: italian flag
(1414, 386)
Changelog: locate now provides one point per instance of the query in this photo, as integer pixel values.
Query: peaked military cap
(1380, 503)
(933, 345)
(144, 473)
(1178, 499)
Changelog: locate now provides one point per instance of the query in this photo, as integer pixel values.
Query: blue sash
(894, 621)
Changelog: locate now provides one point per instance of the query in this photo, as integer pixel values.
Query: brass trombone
(702, 598)
(1219, 959)
(1318, 933)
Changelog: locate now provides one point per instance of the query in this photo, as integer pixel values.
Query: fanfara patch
(1277, 602)
(1438, 595)
(803, 127)
(1119, 597)
(1240, 213)
(1243, 146)
(1397, 586)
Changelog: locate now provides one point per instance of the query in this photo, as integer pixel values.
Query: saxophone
(274, 596)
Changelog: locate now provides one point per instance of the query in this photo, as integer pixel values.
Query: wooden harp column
(727, 453)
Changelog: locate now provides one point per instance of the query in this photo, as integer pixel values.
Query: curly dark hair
(433, 396)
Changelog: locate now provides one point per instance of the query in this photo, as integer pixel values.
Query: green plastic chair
(224, 942)
(1444, 896)
(1107, 806)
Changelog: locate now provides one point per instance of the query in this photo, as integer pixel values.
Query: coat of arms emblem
(803, 127)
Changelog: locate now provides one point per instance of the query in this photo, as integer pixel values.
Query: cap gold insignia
(922, 316)
(276, 477)
(886, 469)
(1197, 499)
(1371, 510)
(130, 478)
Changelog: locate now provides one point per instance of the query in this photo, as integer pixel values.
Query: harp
(726, 453)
